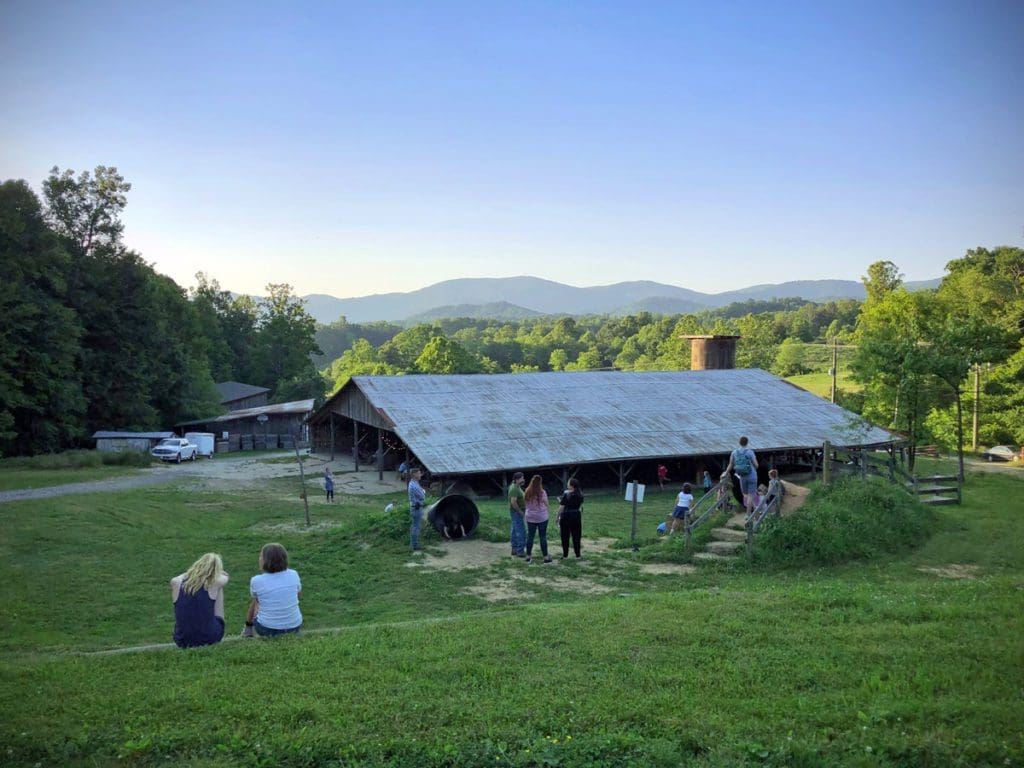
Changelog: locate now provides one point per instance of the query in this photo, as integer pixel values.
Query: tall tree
(285, 340)
(41, 403)
(87, 209)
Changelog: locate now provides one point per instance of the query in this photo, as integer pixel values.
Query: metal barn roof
(482, 423)
(236, 390)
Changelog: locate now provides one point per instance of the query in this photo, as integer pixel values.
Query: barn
(604, 423)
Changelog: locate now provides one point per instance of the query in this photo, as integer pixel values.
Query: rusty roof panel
(481, 423)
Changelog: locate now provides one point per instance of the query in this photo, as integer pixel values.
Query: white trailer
(205, 441)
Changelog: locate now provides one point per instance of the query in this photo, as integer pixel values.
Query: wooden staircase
(727, 542)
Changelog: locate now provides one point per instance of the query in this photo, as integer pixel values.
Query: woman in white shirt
(275, 596)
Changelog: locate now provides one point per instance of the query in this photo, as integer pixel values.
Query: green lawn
(884, 663)
(821, 383)
(18, 479)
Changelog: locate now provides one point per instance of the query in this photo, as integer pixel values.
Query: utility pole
(835, 363)
(977, 397)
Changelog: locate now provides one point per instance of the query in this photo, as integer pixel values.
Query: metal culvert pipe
(454, 516)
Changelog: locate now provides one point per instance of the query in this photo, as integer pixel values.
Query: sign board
(262, 418)
(638, 489)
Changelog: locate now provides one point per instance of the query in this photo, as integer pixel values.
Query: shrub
(80, 459)
(852, 519)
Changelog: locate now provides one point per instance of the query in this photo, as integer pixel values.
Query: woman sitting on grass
(198, 597)
(274, 609)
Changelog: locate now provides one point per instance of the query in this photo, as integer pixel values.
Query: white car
(175, 449)
(1000, 453)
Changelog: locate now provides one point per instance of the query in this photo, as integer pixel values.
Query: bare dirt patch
(297, 526)
(498, 592)
(563, 584)
(952, 571)
(674, 569)
(460, 555)
(794, 497)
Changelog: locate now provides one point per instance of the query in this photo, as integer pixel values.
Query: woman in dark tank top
(198, 596)
(570, 518)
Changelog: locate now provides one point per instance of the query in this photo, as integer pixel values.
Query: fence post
(750, 539)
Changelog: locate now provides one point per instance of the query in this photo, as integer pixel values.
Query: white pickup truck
(175, 449)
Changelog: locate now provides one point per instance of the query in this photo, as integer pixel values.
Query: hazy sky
(357, 148)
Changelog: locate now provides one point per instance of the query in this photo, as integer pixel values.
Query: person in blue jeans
(516, 512)
(416, 498)
(536, 518)
(274, 609)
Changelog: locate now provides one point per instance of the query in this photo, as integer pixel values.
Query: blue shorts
(681, 513)
(271, 632)
(748, 483)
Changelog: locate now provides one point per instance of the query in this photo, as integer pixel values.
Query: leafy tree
(41, 403)
(285, 342)
(883, 278)
(87, 209)
(791, 358)
(441, 355)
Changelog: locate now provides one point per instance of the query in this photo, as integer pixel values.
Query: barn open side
(467, 427)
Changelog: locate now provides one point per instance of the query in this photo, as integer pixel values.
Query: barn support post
(380, 454)
(826, 463)
(622, 478)
(355, 444)
(332, 435)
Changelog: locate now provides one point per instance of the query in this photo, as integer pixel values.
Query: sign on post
(634, 493)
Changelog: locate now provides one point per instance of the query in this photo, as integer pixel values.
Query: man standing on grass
(416, 498)
(743, 462)
(516, 511)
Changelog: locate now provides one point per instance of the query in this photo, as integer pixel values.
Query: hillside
(476, 297)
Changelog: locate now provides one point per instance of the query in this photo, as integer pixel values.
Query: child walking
(329, 484)
(684, 501)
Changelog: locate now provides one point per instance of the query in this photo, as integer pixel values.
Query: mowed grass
(821, 383)
(18, 479)
(887, 662)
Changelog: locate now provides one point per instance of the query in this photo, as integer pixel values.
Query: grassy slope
(17, 479)
(862, 665)
(821, 383)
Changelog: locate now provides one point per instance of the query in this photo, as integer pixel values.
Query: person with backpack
(743, 462)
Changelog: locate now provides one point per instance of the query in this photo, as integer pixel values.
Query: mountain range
(519, 297)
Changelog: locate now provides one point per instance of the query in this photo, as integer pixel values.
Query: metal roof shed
(469, 424)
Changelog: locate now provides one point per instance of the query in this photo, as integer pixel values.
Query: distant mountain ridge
(509, 297)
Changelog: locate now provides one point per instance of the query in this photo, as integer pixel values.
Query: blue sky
(357, 148)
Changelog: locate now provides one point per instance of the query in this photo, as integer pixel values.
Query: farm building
(564, 423)
(236, 396)
(113, 442)
(264, 427)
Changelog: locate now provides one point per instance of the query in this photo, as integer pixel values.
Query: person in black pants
(570, 517)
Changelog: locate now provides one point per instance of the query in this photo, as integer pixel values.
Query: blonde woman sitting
(198, 597)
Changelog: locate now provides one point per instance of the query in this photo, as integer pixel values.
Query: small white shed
(115, 442)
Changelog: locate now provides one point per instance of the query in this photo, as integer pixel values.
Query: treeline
(92, 337)
(773, 339)
(921, 355)
(913, 353)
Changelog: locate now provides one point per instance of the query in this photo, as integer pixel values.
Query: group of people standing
(198, 598)
(529, 515)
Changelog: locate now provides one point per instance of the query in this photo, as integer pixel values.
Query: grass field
(911, 660)
(821, 383)
(17, 479)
